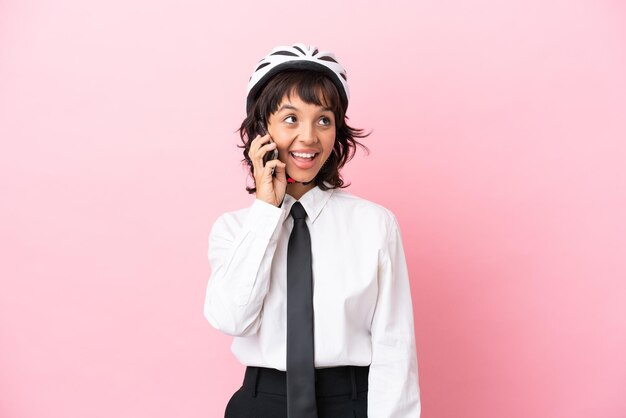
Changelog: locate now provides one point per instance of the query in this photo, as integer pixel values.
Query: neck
(297, 190)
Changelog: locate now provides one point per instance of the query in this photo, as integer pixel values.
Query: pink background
(499, 142)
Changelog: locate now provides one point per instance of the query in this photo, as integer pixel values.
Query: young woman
(310, 280)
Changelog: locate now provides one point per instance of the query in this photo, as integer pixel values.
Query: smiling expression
(304, 134)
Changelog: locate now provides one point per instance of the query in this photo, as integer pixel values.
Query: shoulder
(232, 218)
(362, 211)
(260, 217)
(230, 221)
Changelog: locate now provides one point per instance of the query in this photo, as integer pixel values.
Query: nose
(307, 134)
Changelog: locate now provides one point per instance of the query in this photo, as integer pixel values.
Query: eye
(288, 117)
(326, 121)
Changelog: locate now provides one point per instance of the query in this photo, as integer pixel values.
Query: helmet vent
(289, 54)
(327, 59)
(261, 66)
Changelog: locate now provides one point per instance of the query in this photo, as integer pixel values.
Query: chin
(302, 177)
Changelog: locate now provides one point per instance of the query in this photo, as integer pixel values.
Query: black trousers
(341, 393)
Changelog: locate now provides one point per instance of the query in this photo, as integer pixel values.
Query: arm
(393, 379)
(241, 257)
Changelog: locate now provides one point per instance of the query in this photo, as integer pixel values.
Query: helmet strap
(290, 180)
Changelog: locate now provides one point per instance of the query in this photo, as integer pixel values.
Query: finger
(254, 145)
(262, 152)
(272, 164)
(258, 142)
(263, 173)
(280, 170)
(257, 155)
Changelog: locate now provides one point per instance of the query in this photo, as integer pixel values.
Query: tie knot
(297, 211)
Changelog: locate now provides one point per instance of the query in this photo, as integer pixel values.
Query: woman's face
(304, 134)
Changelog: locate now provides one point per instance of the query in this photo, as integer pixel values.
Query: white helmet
(297, 56)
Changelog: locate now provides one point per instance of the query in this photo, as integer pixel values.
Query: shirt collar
(313, 202)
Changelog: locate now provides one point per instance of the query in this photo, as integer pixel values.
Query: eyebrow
(292, 107)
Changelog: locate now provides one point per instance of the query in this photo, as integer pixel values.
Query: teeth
(303, 155)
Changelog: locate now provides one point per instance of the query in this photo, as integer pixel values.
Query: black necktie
(300, 358)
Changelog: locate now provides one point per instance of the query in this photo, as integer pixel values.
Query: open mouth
(303, 160)
(303, 155)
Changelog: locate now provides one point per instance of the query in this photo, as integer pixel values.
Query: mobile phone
(270, 155)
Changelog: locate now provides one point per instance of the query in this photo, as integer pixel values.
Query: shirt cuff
(263, 218)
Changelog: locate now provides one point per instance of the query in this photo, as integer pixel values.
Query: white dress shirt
(361, 297)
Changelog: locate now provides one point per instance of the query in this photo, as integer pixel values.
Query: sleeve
(240, 255)
(393, 379)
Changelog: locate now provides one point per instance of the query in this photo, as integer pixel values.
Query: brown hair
(309, 85)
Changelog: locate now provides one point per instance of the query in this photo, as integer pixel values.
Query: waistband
(332, 381)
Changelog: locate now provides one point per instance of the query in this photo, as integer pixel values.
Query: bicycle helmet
(297, 56)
